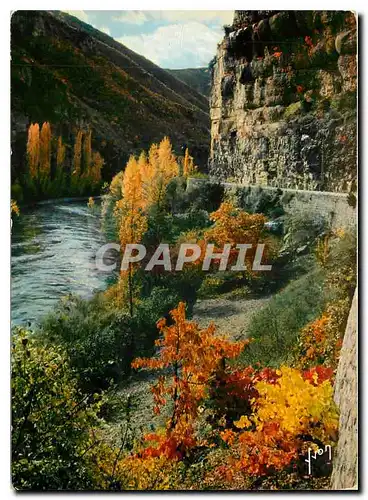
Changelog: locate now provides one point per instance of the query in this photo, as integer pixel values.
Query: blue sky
(171, 39)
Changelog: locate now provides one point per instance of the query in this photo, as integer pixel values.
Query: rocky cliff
(345, 461)
(283, 101)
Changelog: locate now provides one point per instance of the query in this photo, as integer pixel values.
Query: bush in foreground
(52, 421)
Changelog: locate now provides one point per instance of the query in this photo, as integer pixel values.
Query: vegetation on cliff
(284, 100)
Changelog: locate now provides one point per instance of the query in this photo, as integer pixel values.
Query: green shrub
(98, 339)
(197, 196)
(51, 420)
(341, 265)
(258, 200)
(188, 221)
(17, 192)
(275, 328)
(109, 222)
(153, 307)
(175, 197)
(303, 230)
(160, 227)
(183, 285)
(101, 341)
(205, 195)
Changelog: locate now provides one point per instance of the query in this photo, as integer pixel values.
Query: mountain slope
(198, 79)
(70, 74)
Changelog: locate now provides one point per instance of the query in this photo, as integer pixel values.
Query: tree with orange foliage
(77, 153)
(235, 226)
(133, 221)
(33, 149)
(45, 150)
(190, 357)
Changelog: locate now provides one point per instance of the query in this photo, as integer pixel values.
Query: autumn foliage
(140, 187)
(49, 168)
(191, 356)
(279, 414)
(234, 226)
(33, 149)
(281, 406)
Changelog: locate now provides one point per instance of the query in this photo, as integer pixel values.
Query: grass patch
(276, 327)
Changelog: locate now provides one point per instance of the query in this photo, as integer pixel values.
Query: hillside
(198, 79)
(69, 74)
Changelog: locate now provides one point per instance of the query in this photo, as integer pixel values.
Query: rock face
(283, 101)
(345, 461)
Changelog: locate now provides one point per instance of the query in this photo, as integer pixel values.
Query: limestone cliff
(345, 461)
(283, 101)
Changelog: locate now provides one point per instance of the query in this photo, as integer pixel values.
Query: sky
(171, 39)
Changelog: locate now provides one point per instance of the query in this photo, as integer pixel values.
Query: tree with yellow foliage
(142, 186)
(93, 174)
(60, 155)
(87, 150)
(188, 167)
(133, 221)
(157, 172)
(14, 208)
(45, 150)
(77, 153)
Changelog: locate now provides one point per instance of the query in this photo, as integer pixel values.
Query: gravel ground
(231, 316)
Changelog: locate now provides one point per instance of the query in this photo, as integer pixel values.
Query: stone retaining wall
(335, 206)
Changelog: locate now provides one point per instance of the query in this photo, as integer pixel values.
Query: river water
(53, 254)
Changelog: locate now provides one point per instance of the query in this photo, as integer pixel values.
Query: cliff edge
(345, 461)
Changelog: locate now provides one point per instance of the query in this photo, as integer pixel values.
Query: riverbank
(53, 201)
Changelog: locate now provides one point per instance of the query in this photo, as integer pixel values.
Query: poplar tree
(45, 150)
(77, 153)
(33, 149)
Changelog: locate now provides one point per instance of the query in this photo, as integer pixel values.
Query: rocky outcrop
(283, 101)
(345, 461)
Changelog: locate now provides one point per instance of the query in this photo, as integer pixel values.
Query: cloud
(203, 16)
(191, 44)
(140, 17)
(132, 17)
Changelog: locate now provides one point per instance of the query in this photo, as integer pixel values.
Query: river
(53, 254)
